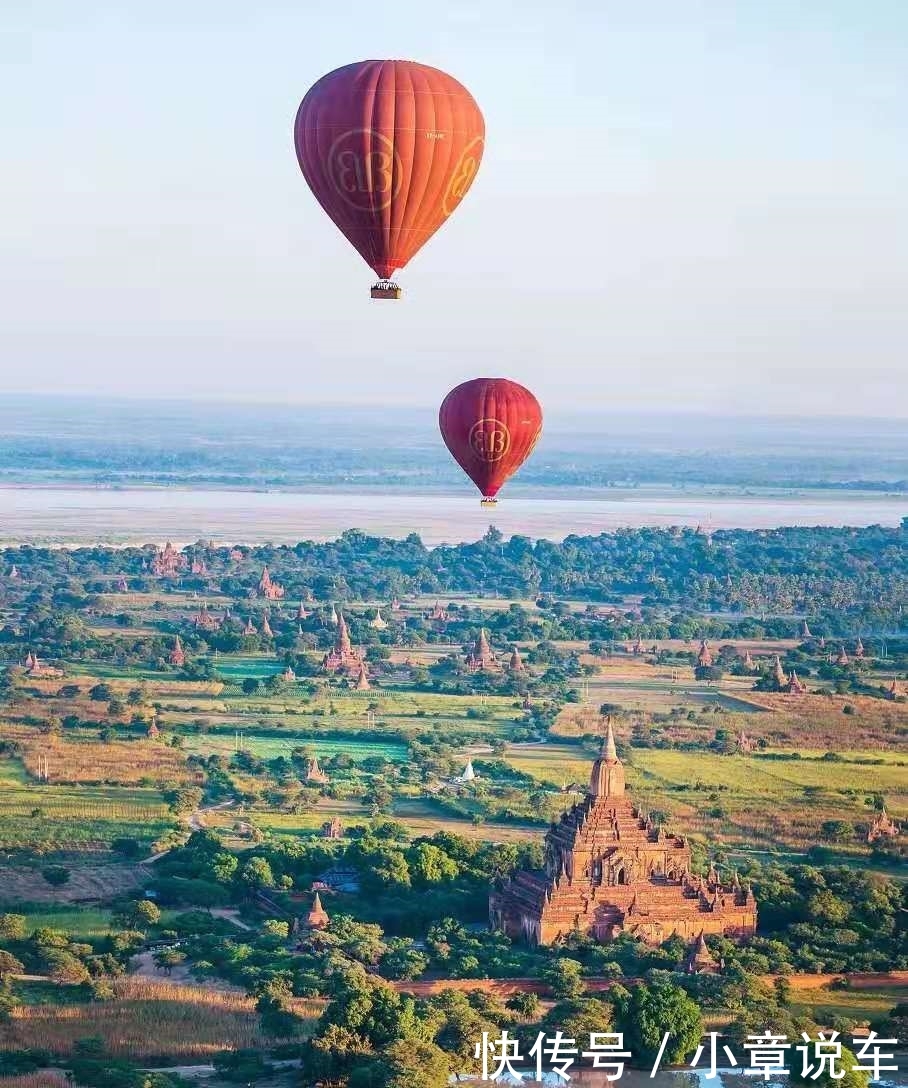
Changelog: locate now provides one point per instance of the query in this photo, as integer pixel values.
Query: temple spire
(609, 751)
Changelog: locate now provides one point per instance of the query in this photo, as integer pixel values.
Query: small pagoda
(378, 623)
(343, 658)
(266, 628)
(842, 660)
(177, 654)
(778, 673)
(795, 686)
(805, 630)
(883, 827)
(333, 828)
(481, 658)
(700, 960)
(314, 773)
(747, 661)
(317, 918)
(268, 588)
(859, 650)
(362, 680)
(515, 664)
(705, 656)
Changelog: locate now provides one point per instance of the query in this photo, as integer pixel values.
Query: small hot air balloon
(490, 425)
(389, 148)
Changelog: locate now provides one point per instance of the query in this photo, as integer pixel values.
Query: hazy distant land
(75, 470)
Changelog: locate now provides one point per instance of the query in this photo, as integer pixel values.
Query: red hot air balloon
(490, 425)
(389, 148)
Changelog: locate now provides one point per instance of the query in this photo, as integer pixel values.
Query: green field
(64, 817)
(268, 747)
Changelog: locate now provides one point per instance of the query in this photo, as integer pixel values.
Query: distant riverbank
(72, 516)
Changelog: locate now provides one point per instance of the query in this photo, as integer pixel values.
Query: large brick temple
(609, 869)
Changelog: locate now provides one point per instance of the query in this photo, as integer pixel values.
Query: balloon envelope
(490, 425)
(389, 148)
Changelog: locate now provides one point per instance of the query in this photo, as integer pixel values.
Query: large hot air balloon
(389, 148)
(490, 425)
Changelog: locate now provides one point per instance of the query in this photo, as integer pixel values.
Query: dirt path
(195, 822)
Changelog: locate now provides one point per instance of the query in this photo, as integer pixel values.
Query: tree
(854, 1078)
(403, 1065)
(250, 685)
(565, 976)
(524, 1005)
(139, 913)
(55, 875)
(63, 967)
(9, 965)
(648, 1011)
(12, 927)
(257, 873)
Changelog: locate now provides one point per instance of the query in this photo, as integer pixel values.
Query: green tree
(9, 965)
(55, 875)
(524, 1005)
(565, 976)
(257, 873)
(648, 1011)
(12, 927)
(854, 1078)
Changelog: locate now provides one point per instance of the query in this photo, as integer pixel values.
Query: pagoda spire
(607, 776)
(609, 751)
(342, 645)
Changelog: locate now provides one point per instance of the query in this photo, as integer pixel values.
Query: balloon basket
(488, 503)
(386, 289)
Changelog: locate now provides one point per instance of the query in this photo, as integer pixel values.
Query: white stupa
(469, 774)
(378, 624)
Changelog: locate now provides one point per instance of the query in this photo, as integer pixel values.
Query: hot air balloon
(490, 425)
(389, 148)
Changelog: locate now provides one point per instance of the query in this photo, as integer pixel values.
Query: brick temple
(609, 869)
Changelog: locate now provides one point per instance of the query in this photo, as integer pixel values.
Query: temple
(378, 623)
(36, 668)
(314, 773)
(343, 658)
(481, 658)
(609, 869)
(177, 655)
(268, 589)
(333, 828)
(883, 827)
(516, 662)
(705, 656)
(317, 918)
(167, 561)
(794, 685)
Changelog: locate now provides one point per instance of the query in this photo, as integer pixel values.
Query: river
(83, 515)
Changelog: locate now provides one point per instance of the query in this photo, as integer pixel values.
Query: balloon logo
(365, 180)
(490, 426)
(389, 148)
(463, 175)
(490, 439)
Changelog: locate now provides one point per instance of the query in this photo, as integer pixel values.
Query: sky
(682, 205)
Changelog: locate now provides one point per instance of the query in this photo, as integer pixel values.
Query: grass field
(860, 1005)
(737, 799)
(67, 817)
(146, 1019)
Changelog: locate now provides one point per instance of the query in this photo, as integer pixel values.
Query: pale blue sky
(682, 204)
